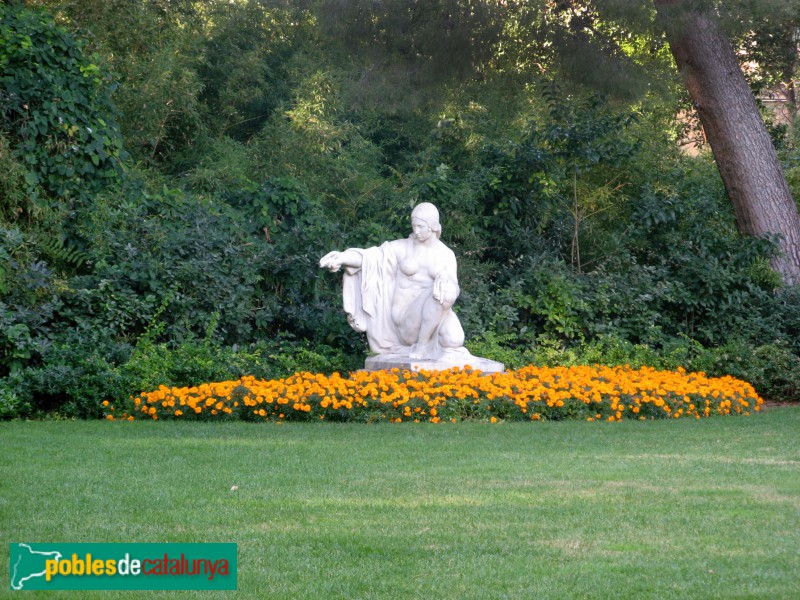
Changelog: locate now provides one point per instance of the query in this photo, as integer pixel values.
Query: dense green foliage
(172, 172)
(57, 108)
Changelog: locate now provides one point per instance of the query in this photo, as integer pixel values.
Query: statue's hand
(445, 289)
(331, 261)
(438, 291)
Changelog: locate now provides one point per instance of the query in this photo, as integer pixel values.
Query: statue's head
(427, 212)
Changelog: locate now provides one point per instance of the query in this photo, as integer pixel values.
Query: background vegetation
(173, 170)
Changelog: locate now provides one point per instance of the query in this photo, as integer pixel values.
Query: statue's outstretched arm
(333, 261)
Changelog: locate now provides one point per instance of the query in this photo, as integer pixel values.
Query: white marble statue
(401, 293)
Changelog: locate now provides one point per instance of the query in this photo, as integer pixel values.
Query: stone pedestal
(461, 359)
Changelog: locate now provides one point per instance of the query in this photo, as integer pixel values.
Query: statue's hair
(425, 211)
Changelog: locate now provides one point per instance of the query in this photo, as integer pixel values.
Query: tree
(735, 131)
(608, 45)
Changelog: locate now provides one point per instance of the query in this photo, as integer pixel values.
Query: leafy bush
(11, 405)
(56, 106)
(151, 250)
(14, 202)
(78, 372)
(196, 361)
(28, 300)
(71, 375)
(773, 369)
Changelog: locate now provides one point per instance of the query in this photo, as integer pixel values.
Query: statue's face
(421, 229)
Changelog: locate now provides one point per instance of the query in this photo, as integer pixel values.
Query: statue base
(453, 358)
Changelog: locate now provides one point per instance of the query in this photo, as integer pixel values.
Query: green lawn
(683, 509)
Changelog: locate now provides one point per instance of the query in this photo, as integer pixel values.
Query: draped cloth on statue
(368, 294)
(401, 295)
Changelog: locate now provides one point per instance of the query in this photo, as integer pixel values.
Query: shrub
(56, 104)
(169, 253)
(81, 369)
(501, 348)
(773, 369)
(12, 406)
(193, 362)
(73, 375)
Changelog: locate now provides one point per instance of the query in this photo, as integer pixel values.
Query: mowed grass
(684, 509)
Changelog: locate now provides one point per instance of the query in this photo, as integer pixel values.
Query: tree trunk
(739, 140)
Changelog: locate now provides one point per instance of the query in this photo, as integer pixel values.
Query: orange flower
(530, 393)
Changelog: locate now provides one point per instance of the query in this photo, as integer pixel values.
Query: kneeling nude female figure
(402, 292)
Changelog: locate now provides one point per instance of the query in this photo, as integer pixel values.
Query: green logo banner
(84, 566)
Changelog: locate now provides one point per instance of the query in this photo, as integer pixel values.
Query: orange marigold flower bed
(532, 393)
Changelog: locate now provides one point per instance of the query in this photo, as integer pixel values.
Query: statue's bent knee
(451, 334)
